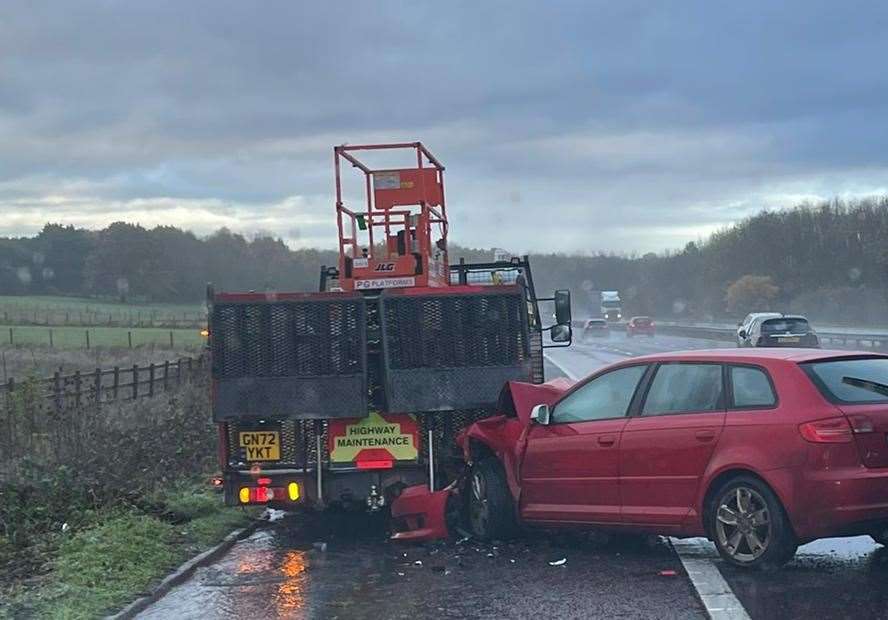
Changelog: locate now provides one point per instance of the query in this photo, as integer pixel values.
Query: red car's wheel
(749, 526)
(490, 506)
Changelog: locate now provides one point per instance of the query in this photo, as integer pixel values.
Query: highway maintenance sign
(379, 438)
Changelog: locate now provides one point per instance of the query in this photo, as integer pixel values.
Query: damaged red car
(759, 450)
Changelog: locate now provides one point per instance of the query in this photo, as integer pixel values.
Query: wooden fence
(107, 385)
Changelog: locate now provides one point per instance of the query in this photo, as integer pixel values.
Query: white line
(695, 555)
(560, 367)
(714, 592)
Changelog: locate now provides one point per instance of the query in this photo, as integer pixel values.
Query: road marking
(716, 595)
(696, 556)
(560, 367)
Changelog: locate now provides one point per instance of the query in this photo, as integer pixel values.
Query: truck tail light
(293, 491)
(832, 430)
(375, 464)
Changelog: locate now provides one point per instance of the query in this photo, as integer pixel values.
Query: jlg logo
(385, 267)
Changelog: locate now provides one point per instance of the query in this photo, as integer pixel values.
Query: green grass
(104, 566)
(55, 302)
(75, 337)
(54, 310)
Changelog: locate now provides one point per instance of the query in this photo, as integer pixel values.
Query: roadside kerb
(184, 572)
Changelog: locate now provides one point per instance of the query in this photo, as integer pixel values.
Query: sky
(614, 126)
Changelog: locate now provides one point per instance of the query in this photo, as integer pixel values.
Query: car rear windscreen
(861, 380)
(642, 321)
(785, 326)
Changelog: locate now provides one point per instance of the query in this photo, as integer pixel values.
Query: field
(50, 310)
(72, 337)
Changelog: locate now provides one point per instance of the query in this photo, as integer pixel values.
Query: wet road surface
(279, 573)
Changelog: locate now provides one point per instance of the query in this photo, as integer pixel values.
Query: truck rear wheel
(491, 509)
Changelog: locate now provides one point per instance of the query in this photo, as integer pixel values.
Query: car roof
(758, 315)
(596, 321)
(797, 317)
(763, 354)
(640, 316)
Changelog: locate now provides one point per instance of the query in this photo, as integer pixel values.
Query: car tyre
(491, 509)
(880, 536)
(749, 526)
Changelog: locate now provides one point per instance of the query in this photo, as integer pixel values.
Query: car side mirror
(540, 414)
(562, 307)
(561, 333)
(742, 333)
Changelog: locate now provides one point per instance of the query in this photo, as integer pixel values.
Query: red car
(640, 326)
(760, 450)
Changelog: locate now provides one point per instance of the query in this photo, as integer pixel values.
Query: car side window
(751, 388)
(607, 396)
(685, 388)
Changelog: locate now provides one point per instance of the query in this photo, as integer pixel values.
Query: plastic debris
(668, 573)
(400, 574)
(418, 563)
(65, 527)
(512, 561)
(560, 562)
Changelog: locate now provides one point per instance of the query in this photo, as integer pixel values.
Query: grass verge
(120, 554)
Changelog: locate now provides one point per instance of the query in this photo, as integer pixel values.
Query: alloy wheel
(743, 524)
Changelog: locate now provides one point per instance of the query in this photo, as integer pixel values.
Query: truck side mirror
(562, 307)
(540, 414)
(560, 333)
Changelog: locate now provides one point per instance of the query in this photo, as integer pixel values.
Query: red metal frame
(416, 187)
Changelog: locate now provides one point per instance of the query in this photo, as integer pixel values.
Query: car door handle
(606, 440)
(705, 435)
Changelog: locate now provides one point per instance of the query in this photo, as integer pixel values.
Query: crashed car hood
(527, 395)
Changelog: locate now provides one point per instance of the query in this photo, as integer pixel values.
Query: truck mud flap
(302, 357)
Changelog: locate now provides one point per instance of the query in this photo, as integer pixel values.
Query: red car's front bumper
(419, 515)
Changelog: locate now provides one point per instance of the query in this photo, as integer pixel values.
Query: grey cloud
(635, 125)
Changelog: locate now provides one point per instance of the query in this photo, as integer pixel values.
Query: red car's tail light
(861, 424)
(833, 430)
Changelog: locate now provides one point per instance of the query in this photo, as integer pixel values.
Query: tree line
(828, 260)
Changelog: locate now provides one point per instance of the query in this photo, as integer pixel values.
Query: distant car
(744, 325)
(780, 331)
(596, 328)
(760, 451)
(640, 326)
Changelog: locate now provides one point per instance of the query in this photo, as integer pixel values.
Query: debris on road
(560, 562)
(668, 573)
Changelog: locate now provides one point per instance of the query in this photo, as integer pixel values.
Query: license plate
(261, 445)
(793, 339)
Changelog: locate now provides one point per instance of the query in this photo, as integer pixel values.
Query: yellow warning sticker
(375, 436)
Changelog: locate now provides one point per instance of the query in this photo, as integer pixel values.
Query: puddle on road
(278, 573)
(829, 578)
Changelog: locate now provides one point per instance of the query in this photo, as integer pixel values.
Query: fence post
(116, 380)
(129, 336)
(171, 339)
(135, 381)
(10, 337)
(179, 371)
(190, 370)
(151, 379)
(57, 390)
(77, 391)
(98, 387)
(166, 374)
(50, 339)
(87, 340)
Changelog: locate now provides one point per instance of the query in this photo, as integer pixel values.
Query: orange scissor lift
(403, 229)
